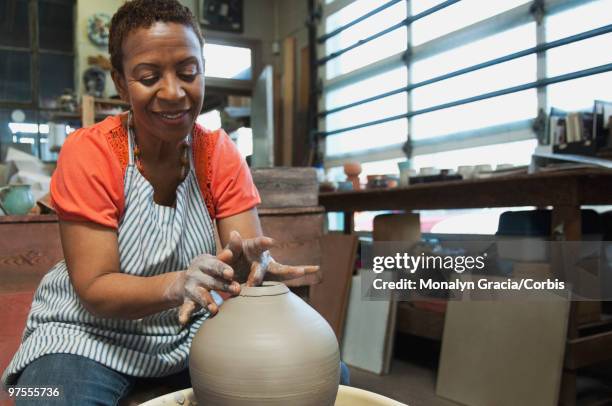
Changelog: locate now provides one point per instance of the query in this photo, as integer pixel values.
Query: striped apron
(153, 239)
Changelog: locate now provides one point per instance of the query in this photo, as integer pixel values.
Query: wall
(258, 24)
(292, 22)
(293, 15)
(84, 47)
(269, 21)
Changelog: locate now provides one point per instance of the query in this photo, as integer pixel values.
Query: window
(34, 69)
(371, 137)
(377, 84)
(484, 113)
(375, 50)
(482, 50)
(578, 94)
(389, 133)
(15, 73)
(514, 153)
(459, 81)
(210, 120)
(217, 66)
(14, 24)
(454, 17)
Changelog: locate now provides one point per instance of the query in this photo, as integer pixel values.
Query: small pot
(352, 168)
(16, 199)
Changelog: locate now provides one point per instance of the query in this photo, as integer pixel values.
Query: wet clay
(265, 347)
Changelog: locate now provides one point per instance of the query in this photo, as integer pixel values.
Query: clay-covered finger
(224, 286)
(211, 305)
(186, 310)
(194, 292)
(290, 272)
(256, 275)
(226, 256)
(215, 268)
(210, 283)
(256, 246)
(235, 243)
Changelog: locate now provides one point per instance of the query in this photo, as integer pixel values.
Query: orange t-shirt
(88, 182)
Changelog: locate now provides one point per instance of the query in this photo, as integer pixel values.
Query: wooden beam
(301, 150)
(278, 118)
(88, 111)
(289, 45)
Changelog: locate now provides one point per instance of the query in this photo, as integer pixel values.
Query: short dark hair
(142, 14)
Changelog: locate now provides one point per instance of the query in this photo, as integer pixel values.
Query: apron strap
(130, 140)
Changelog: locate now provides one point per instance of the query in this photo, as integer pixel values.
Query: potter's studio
(306, 202)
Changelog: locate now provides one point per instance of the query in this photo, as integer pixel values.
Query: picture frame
(221, 15)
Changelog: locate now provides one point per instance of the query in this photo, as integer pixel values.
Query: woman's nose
(171, 90)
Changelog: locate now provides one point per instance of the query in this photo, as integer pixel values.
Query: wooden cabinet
(29, 247)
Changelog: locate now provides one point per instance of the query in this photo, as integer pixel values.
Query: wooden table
(566, 191)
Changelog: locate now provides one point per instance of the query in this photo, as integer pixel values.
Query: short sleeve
(233, 190)
(88, 182)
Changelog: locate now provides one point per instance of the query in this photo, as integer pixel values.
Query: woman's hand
(252, 256)
(192, 288)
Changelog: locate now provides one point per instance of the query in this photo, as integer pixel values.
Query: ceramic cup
(16, 199)
(405, 172)
(466, 171)
(429, 171)
(483, 171)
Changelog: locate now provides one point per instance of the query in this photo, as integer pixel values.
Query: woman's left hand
(253, 256)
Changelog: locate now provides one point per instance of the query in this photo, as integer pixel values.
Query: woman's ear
(120, 85)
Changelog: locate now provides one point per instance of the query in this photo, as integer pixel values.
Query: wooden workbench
(566, 191)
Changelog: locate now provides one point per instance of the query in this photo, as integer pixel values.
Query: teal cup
(16, 199)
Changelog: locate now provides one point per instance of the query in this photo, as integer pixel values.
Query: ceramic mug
(405, 172)
(429, 171)
(16, 199)
(466, 171)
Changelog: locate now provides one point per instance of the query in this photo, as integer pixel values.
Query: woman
(136, 196)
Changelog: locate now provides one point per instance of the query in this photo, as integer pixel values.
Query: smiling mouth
(172, 115)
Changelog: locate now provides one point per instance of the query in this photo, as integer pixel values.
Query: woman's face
(163, 79)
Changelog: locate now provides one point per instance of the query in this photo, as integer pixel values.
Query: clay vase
(352, 171)
(265, 347)
(16, 199)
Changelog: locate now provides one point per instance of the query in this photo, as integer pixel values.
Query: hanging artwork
(97, 28)
(222, 15)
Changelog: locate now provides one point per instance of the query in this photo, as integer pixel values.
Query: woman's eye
(148, 81)
(188, 76)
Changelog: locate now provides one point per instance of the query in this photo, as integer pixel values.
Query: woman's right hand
(192, 287)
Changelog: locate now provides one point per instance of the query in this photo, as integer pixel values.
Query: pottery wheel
(347, 396)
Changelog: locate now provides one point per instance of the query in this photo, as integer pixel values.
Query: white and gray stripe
(152, 239)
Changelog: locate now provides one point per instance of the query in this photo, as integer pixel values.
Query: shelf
(114, 102)
(88, 114)
(67, 115)
(88, 109)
